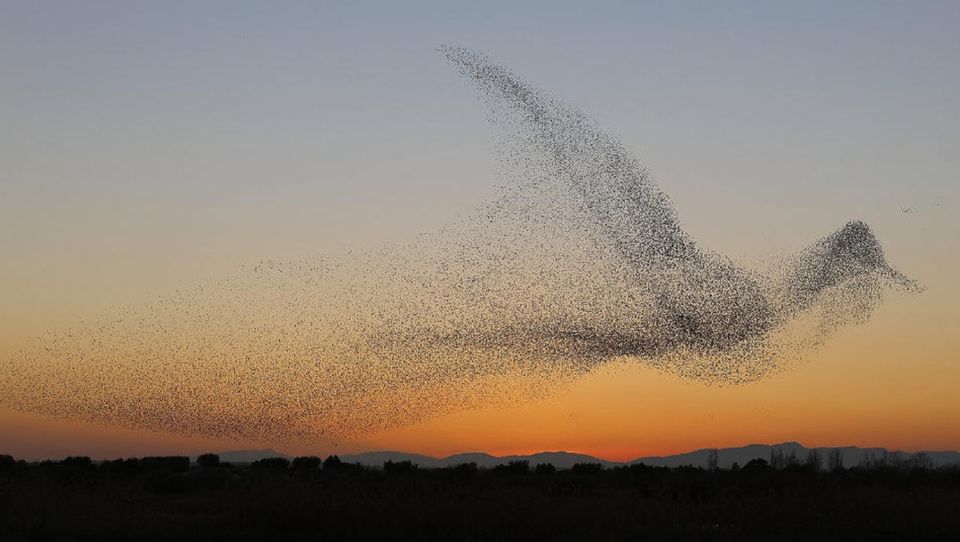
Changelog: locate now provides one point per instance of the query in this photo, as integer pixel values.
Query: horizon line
(495, 455)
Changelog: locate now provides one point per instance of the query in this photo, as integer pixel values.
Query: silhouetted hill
(852, 456)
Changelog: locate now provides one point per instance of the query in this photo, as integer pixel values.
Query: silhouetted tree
(735, 467)
(127, 467)
(544, 468)
(713, 459)
(513, 467)
(77, 462)
(921, 461)
(519, 467)
(463, 471)
(871, 460)
(835, 460)
(173, 463)
(893, 459)
(208, 461)
(272, 463)
(306, 463)
(398, 466)
(332, 462)
(792, 461)
(777, 459)
(10, 466)
(814, 461)
(7, 462)
(587, 468)
(756, 465)
(40, 501)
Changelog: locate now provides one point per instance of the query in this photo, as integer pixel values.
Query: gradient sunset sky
(151, 146)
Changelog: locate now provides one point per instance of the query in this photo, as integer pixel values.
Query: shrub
(172, 463)
(545, 468)
(208, 461)
(513, 467)
(7, 462)
(121, 466)
(587, 468)
(332, 462)
(77, 462)
(271, 463)
(398, 466)
(306, 463)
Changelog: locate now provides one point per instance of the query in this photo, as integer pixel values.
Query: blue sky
(147, 145)
(151, 146)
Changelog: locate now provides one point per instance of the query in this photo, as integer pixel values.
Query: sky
(147, 147)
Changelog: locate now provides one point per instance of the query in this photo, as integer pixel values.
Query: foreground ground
(169, 499)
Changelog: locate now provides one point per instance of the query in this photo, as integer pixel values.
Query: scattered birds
(580, 260)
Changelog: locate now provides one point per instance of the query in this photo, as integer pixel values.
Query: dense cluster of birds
(579, 261)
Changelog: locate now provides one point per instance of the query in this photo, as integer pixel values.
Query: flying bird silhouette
(580, 260)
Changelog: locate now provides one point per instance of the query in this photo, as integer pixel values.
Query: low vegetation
(309, 498)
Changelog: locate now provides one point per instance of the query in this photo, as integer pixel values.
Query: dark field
(170, 499)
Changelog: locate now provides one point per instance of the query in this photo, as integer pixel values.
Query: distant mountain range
(726, 457)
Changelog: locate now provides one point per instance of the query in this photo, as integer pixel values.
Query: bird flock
(580, 260)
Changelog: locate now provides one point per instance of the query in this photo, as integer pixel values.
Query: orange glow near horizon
(863, 388)
(149, 152)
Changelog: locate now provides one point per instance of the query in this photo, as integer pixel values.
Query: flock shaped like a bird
(579, 261)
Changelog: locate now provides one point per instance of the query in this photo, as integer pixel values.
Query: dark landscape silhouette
(793, 492)
(726, 457)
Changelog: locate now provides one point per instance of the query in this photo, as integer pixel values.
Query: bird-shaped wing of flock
(580, 260)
